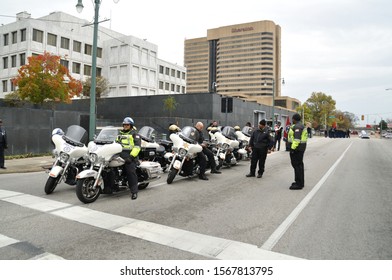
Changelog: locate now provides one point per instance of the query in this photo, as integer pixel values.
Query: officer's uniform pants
(130, 169)
(258, 155)
(210, 157)
(297, 163)
(1, 155)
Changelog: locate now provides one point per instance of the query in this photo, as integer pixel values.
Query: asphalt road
(344, 212)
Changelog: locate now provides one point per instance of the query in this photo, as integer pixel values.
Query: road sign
(331, 117)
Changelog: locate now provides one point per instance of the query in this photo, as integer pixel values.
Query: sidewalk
(33, 164)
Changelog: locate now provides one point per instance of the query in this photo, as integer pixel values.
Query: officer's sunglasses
(125, 124)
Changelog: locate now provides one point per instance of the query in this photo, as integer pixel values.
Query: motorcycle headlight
(182, 152)
(93, 158)
(64, 157)
(225, 146)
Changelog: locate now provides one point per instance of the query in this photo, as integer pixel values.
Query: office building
(131, 65)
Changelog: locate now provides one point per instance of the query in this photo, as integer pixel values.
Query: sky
(342, 48)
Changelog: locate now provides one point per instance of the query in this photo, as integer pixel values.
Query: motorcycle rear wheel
(172, 174)
(85, 191)
(51, 184)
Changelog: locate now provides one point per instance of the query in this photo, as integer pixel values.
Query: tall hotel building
(239, 61)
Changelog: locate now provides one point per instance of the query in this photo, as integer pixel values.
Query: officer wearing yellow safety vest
(297, 137)
(131, 142)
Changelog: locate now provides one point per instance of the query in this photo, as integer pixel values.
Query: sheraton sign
(235, 30)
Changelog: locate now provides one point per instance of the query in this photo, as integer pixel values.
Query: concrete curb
(24, 165)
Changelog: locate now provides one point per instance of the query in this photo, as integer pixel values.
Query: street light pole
(92, 124)
(273, 98)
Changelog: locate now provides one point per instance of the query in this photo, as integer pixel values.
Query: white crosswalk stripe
(6, 241)
(200, 244)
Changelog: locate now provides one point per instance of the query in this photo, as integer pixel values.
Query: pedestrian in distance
(298, 137)
(278, 135)
(261, 144)
(3, 144)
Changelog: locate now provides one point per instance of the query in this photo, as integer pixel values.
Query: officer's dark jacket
(200, 136)
(298, 137)
(3, 137)
(261, 138)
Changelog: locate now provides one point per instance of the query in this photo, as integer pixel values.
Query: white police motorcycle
(226, 143)
(69, 152)
(104, 156)
(183, 157)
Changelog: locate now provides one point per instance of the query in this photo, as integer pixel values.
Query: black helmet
(296, 117)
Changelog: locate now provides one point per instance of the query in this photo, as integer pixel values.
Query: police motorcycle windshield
(147, 133)
(189, 134)
(76, 135)
(247, 130)
(229, 132)
(107, 135)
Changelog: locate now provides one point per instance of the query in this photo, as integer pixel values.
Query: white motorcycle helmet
(57, 131)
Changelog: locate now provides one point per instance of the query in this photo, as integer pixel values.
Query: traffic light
(363, 117)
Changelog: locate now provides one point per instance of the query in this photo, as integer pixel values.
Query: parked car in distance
(364, 135)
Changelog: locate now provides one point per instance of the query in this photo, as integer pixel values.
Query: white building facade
(130, 64)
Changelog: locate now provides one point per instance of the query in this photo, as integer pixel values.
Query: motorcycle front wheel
(172, 174)
(85, 191)
(51, 184)
(142, 186)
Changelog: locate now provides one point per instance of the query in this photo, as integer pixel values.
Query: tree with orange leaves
(43, 78)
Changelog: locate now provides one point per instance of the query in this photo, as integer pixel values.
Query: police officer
(131, 142)
(298, 137)
(205, 152)
(3, 144)
(261, 144)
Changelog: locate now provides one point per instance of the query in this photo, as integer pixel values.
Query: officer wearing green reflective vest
(131, 142)
(297, 137)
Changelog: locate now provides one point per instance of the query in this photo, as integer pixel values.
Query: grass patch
(29, 155)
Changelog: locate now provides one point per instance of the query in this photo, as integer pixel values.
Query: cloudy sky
(340, 47)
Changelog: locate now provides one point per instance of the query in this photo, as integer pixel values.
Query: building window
(13, 61)
(64, 63)
(183, 75)
(99, 72)
(77, 46)
(167, 71)
(88, 49)
(87, 70)
(52, 39)
(183, 89)
(14, 37)
(5, 36)
(75, 67)
(161, 69)
(5, 62)
(167, 86)
(178, 74)
(160, 85)
(38, 36)
(5, 84)
(173, 73)
(99, 52)
(23, 35)
(22, 58)
(178, 88)
(12, 85)
(172, 87)
(64, 43)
